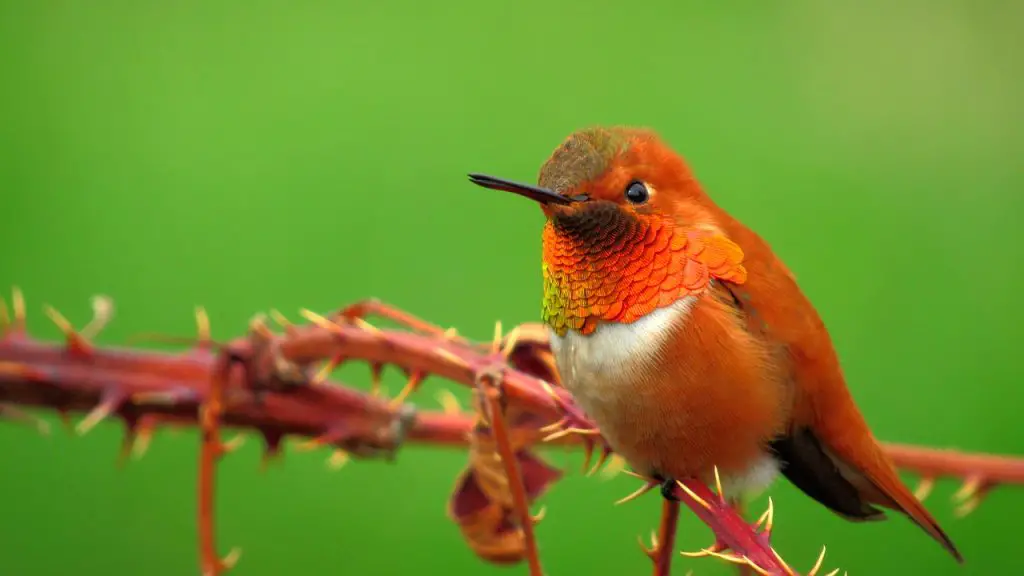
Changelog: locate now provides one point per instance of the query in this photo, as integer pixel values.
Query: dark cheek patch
(592, 223)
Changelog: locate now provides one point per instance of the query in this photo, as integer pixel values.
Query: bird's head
(619, 205)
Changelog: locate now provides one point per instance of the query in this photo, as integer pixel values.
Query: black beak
(542, 195)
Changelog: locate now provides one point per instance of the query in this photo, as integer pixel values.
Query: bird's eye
(637, 193)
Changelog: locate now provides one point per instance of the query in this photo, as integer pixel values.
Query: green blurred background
(249, 155)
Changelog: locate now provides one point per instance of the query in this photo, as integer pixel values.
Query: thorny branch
(267, 382)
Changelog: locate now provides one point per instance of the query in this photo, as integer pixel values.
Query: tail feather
(884, 488)
(852, 480)
(876, 480)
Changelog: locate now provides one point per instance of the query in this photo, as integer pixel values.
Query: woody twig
(269, 384)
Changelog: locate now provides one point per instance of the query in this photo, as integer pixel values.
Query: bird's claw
(668, 487)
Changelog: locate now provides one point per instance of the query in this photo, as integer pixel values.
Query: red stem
(272, 393)
(664, 550)
(502, 437)
(934, 462)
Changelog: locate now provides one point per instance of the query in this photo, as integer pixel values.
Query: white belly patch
(599, 367)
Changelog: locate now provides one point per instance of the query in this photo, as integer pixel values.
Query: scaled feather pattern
(599, 266)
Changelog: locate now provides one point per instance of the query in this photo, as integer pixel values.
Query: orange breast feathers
(618, 270)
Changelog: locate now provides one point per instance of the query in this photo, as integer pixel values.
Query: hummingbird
(688, 341)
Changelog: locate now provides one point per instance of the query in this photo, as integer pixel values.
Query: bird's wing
(828, 452)
(711, 255)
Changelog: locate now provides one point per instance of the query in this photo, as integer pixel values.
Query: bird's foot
(668, 488)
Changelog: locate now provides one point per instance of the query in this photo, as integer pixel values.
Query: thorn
(328, 367)
(554, 426)
(76, 343)
(647, 487)
(5, 317)
(969, 488)
(616, 464)
(781, 562)
(742, 560)
(510, 342)
(817, 565)
(718, 486)
(970, 496)
(496, 342)
(231, 559)
(568, 431)
(448, 401)
(102, 313)
(331, 436)
(320, 321)
(693, 495)
(65, 418)
(450, 357)
(280, 320)
(637, 476)
(924, 489)
(18, 307)
(258, 325)
(271, 448)
(415, 379)
(833, 573)
(767, 518)
(111, 401)
(588, 454)
(968, 506)
(551, 392)
(605, 453)
(144, 430)
(450, 334)
(338, 459)
(703, 551)
(376, 373)
(536, 518)
(364, 325)
(202, 327)
(757, 568)
(233, 444)
(62, 323)
(653, 550)
(14, 413)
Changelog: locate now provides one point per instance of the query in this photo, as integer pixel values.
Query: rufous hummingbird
(688, 341)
